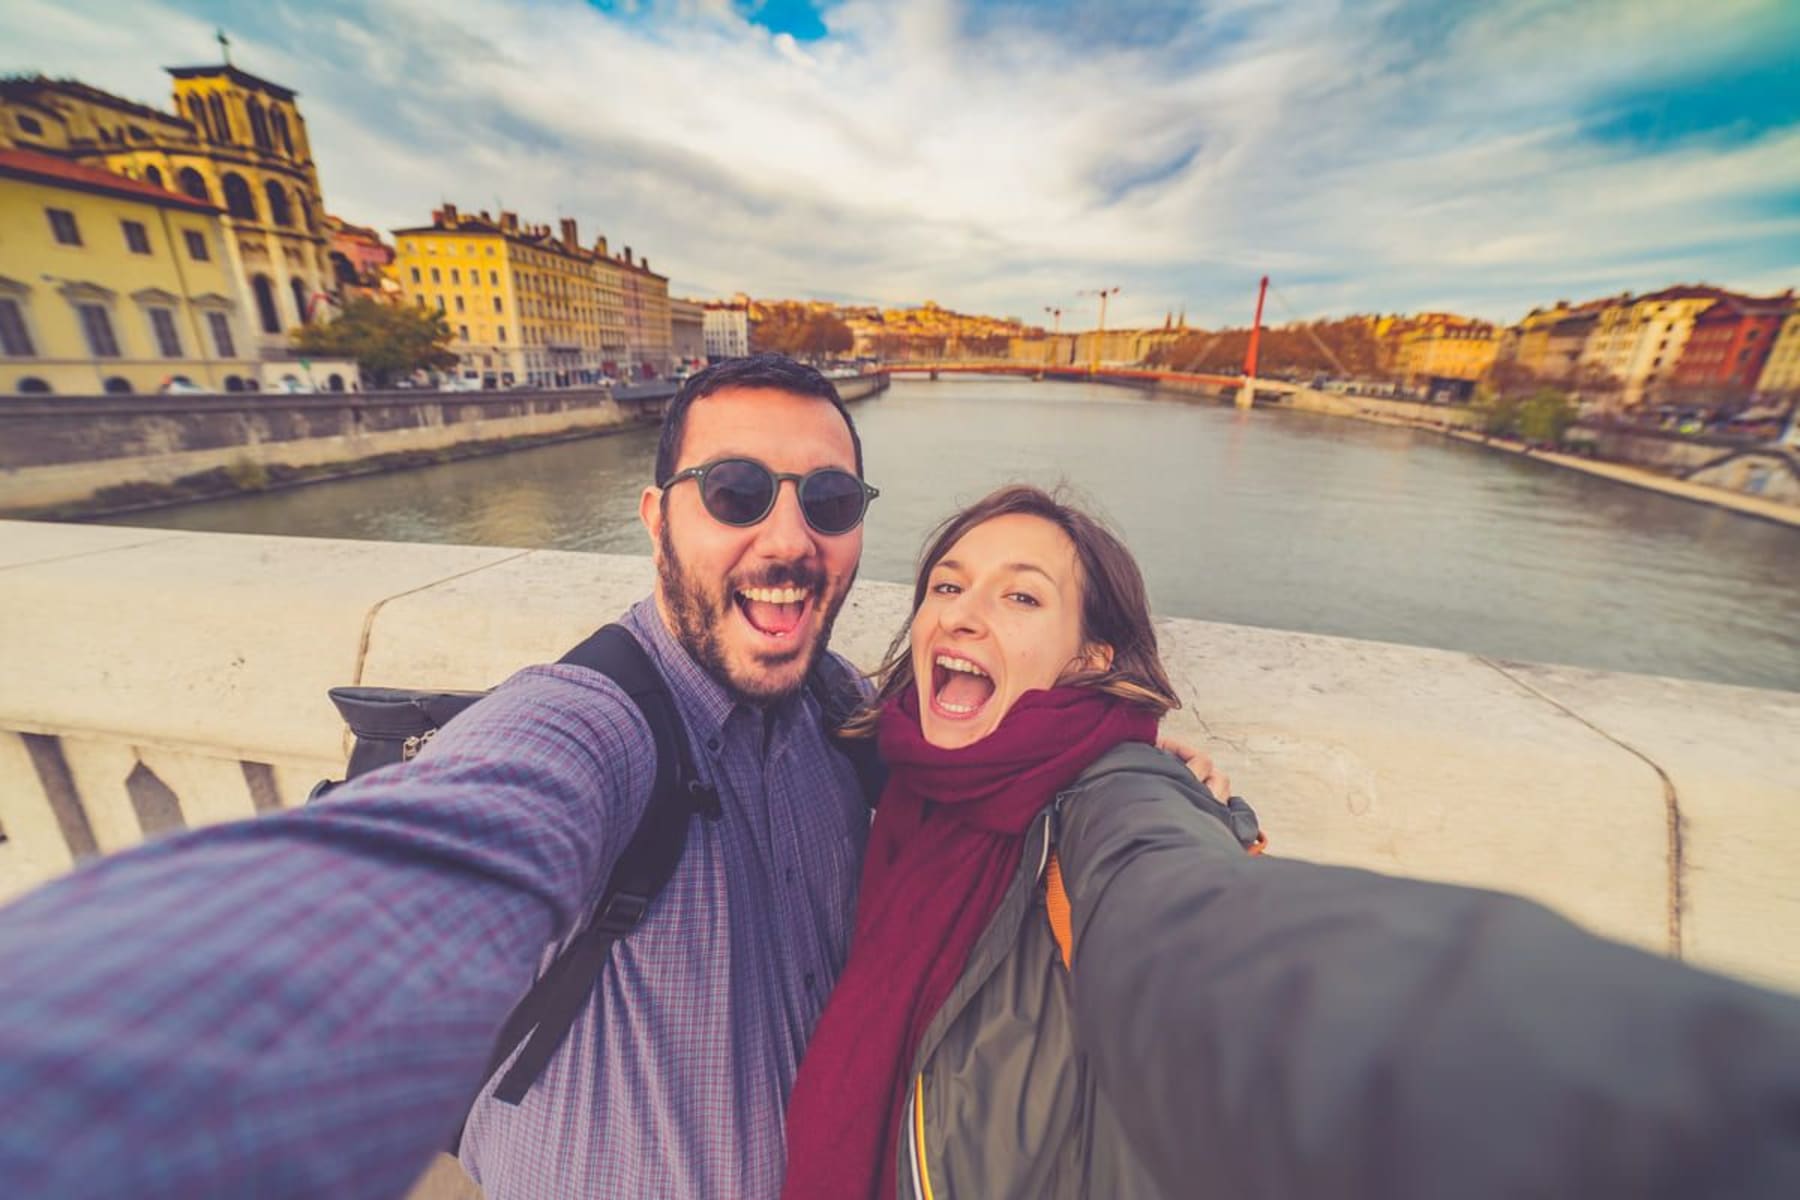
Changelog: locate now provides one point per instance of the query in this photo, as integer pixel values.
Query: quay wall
(157, 680)
(66, 456)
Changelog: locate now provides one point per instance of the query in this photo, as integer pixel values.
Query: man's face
(727, 593)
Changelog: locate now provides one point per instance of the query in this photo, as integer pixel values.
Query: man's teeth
(952, 663)
(786, 595)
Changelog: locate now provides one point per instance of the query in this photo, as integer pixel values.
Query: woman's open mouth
(774, 612)
(959, 688)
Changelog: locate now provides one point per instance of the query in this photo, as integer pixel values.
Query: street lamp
(1103, 293)
(1055, 331)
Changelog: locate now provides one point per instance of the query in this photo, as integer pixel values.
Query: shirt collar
(704, 702)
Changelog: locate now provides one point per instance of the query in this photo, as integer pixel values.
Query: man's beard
(700, 613)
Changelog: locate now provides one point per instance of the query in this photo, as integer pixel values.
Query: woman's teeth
(952, 663)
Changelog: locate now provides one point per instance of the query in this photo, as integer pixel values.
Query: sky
(1007, 156)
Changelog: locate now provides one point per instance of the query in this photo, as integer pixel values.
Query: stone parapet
(158, 680)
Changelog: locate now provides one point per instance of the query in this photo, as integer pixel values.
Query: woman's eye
(1026, 598)
(945, 589)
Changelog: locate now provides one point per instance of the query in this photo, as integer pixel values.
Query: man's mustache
(782, 575)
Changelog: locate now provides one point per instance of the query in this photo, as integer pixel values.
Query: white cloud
(1368, 156)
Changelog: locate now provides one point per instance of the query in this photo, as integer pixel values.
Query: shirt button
(712, 744)
(811, 980)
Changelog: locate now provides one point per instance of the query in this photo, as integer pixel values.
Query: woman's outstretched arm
(1282, 1029)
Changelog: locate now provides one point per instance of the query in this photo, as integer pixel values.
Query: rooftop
(60, 172)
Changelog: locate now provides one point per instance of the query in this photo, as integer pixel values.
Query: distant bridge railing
(1008, 366)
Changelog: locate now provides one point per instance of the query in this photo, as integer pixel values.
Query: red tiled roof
(47, 168)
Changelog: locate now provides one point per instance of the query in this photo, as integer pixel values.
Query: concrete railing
(155, 680)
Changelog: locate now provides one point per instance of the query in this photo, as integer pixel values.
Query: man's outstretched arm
(301, 1005)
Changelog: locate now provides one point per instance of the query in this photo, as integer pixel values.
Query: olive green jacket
(1255, 1029)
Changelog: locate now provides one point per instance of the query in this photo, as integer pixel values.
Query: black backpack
(392, 724)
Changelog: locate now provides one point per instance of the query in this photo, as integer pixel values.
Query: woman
(1028, 682)
(1067, 980)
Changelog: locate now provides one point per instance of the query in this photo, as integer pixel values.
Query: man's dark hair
(776, 372)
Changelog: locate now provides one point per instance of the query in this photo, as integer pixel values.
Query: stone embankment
(1762, 481)
(158, 680)
(72, 456)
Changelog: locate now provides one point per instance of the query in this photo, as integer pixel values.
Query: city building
(113, 284)
(1445, 354)
(524, 305)
(1781, 373)
(233, 140)
(1636, 342)
(687, 334)
(726, 330)
(646, 303)
(360, 261)
(1724, 355)
(1539, 344)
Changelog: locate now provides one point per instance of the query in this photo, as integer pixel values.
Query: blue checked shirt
(301, 1005)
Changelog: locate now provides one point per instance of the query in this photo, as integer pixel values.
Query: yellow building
(1636, 343)
(233, 140)
(524, 306)
(1781, 372)
(1443, 347)
(109, 284)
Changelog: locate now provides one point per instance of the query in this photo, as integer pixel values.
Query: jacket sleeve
(301, 1005)
(1282, 1029)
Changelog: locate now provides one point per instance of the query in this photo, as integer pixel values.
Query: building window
(137, 238)
(497, 307)
(168, 339)
(459, 304)
(280, 211)
(264, 287)
(152, 175)
(29, 124)
(63, 227)
(193, 184)
(196, 245)
(493, 277)
(456, 276)
(502, 332)
(415, 275)
(440, 301)
(238, 200)
(98, 327)
(462, 331)
(118, 385)
(15, 338)
(220, 325)
(281, 132)
(436, 275)
(31, 385)
(221, 123)
(298, 286)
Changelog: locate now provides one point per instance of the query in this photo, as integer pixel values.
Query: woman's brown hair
(1115, 609)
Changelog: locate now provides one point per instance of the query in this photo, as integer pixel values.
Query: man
(360, 953)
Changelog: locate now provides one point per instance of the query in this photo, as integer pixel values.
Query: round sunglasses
(742, 491)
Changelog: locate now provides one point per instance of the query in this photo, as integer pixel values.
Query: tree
(387, 341)
(1545, 416)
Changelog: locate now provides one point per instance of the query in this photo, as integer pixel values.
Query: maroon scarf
(946, 840)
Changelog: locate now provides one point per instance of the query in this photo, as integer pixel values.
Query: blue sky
(1002, 156)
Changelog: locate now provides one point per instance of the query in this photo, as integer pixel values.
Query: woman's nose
(963, 614)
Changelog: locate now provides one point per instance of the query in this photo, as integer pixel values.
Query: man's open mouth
(959, 688)
(774, 611)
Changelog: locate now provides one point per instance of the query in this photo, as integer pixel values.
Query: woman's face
(1001, 616)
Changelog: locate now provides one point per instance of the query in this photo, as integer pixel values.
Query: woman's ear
(1098, 656)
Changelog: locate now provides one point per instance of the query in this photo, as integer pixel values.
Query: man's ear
(650, 514)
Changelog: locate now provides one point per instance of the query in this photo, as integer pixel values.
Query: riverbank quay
(76, 457)
(162, 680)
(1702, 463)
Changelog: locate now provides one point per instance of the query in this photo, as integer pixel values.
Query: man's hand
(1201, 764)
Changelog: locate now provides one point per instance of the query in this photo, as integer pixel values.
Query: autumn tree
(388, 341)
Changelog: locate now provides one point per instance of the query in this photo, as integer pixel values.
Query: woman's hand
(1201, 764)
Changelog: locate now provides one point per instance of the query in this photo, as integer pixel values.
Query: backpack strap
(543, 1018)
(834, 684)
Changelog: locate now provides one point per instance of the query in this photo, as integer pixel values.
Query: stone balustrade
(157, 680)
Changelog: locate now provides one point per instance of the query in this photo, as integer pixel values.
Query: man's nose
(784, 533)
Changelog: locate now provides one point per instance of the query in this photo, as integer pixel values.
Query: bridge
(1191, 380)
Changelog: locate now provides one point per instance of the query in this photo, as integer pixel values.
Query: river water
(1282, 519)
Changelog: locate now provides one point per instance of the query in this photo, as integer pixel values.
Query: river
(1281, 519)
